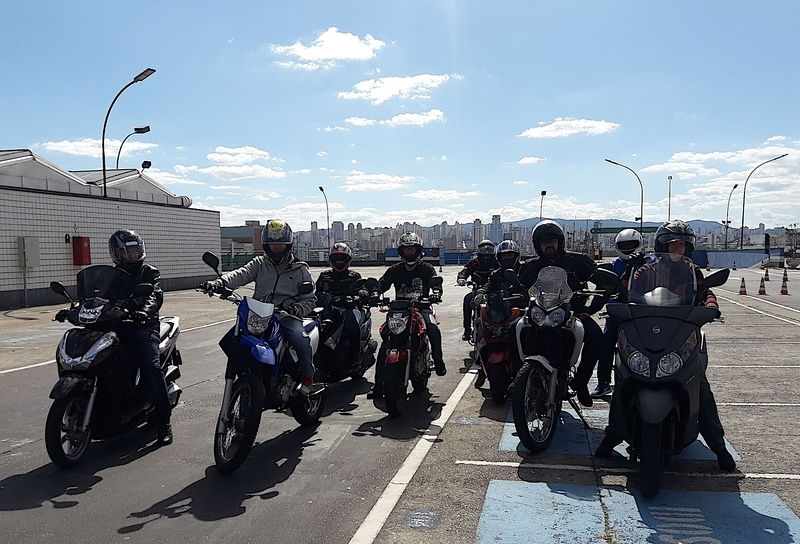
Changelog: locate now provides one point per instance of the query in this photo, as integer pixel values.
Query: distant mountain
(696, 224)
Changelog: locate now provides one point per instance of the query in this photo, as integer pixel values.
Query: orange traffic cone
(784, 288)
(785, 275)
(742, 288)
(766, 274)
(762, 290)
(734, 265)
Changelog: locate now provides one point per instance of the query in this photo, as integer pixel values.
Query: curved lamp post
(727, 221)
(137, 130)
(328, 216)
(641, 200)
(541, 202)
(141, 77)
(744, 193)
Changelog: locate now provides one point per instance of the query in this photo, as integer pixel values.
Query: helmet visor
(130, 254)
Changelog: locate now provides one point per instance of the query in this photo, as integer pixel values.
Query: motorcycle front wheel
(239, 423)
(499, 380)
(307, 410)
(650, 459)
(395, 388)
(534, 418)
(66, 443)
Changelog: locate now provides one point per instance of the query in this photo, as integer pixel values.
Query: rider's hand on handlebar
(139, 316)
(211, 287)
(61, 316)
(461, 282)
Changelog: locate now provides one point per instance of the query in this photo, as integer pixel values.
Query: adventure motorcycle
(330, 359)
(99, 393)
(491, 341)
(408, 350)
(661, 353)
(549, 339)
(262, 372)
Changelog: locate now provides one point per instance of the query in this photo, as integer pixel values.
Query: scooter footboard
(654, 405)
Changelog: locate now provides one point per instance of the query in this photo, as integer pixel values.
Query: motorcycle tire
(534, 419)
(650, 460)
(307, 410)
(66, 443)
(395, 389)
(420, 372)
(233, 444)
(499, 380)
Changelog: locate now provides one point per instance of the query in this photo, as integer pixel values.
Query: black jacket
(408, 284)
(580, 269)
(152, 304)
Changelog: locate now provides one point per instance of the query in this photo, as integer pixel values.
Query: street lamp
(669, 198)
(328, 215)
(727, 221)
(136, 130)
(744, 193)
(541, 202)
(641, 200)
(141, 77)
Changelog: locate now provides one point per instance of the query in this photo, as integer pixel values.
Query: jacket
(152, 304)
(277, 284)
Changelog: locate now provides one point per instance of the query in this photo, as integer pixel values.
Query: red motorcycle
(491, 342)
(408, 350)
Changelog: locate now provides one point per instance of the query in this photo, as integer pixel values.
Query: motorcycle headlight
(83, 360)
(639, 363)
(89, 315)
(256, 324)
(672, 362)
(397, 323)
(544, 319)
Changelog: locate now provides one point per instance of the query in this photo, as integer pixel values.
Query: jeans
(605, 363)
(467, 310)
(297, 338)
(142, 345)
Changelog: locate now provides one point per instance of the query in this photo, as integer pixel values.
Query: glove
(296, 310)
(461, 282)
(374, 299)
(61, 316)
(139, 316)
(212, 286)
(479, 299)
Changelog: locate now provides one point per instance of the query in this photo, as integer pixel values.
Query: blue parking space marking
(572, 439)
(559, 513)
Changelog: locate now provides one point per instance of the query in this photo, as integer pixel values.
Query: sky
(424, 111)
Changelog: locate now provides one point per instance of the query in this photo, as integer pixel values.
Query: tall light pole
(669, 198)
(727, 221)
(141, 77)
(641, 200)
(328, 215)
(744, 193)
(136, 130)
(541, 202)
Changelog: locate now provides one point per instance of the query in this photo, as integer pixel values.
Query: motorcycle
(330, 359)
(99, 393)
(262, 372)
(491, 341)
(408, 353)
(549, 338)
(661, 353)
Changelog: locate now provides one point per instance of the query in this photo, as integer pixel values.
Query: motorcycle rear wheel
(534, 420)
(499, 380)
(395, 390)
(650, 459)
(307, 410)
(233, 444)
(66, 443)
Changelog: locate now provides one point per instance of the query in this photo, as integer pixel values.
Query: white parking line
(791, 322)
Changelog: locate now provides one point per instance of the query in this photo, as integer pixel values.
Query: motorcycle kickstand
(579, 411)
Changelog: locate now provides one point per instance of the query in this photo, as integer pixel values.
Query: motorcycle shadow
(490, 409)
(340, 397)
(417, 415)
(44, 484)
(219, 496)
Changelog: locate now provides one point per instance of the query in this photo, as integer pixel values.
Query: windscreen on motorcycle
(551, 289)
(669, 281)
(98, 281)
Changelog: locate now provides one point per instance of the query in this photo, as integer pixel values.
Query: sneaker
(725, 461)
(441, 370)
(306, 385)
(606, 447)
(602, 389)
(164, 434)
(582, 392)
(481, 379)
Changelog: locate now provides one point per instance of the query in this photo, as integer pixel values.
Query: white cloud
(415, 119)
(90, 147)
(168, 178)
(336, 129)
(234, 172)
(380, 90)
(360, 121)
(530, 160)
(565, 126)
(237, 155)
(224, 187)
(442, 194)
(322, 153)
(520, 182)
(330, 48)
(361, 181)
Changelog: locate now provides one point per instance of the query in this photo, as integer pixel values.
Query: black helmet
(671, 231)
(507, 254)
(340, 256)
(486, 253)
(544, 231)
(277, 232)
(410, 240)
(127, 250)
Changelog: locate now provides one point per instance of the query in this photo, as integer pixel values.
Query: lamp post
(727, 221)
(328, 216)
(541, 202)
(141, 77)
(641, 200)
(136, 130)
(669, 197)
(744, 193)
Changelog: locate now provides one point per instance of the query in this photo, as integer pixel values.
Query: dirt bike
(99, 393)
(262, 372)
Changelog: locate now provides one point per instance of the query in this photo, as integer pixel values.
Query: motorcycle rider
(141, 339)
(477, 269)
(628, 244)
(548, 241)
(676, 239)
(278, 275)
(339, 279)
(410, 278)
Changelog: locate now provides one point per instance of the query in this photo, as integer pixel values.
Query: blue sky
(423, 111)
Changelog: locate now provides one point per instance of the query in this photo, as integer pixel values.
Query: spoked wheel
(307, 410)
(535, 420)
(395, 390)
(65, 441)
(650, 459)
(238, 424)
(499, 380)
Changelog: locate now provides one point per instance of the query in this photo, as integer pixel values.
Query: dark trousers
(351, 334)
(605, 363)
(467, 311)
(142, 345)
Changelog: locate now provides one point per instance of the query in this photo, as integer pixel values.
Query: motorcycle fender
(654, 405)
(67, 384)
(172, 374)
(394, 356)
(498, 357)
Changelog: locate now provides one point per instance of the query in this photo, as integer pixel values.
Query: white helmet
(627, 242)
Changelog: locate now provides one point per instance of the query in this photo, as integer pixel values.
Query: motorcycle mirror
(211, 260)
(305, 288)
(715, 279)
(436, 281)
(143, 290)
(372, 284)
(510, 275)
(57, 287)
(606, 278)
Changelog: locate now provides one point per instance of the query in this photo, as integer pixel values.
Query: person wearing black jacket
(477, 269)
(141, 339)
